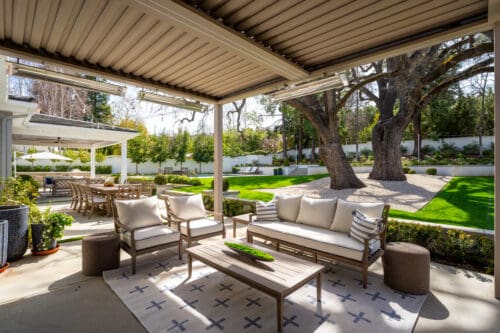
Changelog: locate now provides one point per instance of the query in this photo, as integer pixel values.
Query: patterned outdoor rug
(164, 301)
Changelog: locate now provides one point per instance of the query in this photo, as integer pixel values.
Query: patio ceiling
(217, 51)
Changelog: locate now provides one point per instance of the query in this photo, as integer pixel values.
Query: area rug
(163, 300)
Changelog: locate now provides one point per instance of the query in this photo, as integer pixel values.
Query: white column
(124, 166)
(92, 162)
(497, 162)
(218, 128)
(5, 144)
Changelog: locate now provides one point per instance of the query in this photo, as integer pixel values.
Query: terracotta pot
(46, 252)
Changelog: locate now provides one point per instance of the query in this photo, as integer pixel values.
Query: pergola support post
(92, 162)
(124, 166)
(497, 160)
(5, 144)
(218, 162)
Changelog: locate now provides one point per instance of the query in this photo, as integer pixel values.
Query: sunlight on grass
(464, 201)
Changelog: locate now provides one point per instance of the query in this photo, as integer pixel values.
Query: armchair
(191, 218)
(141, 228)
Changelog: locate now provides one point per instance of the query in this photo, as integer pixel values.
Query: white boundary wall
(229, 162)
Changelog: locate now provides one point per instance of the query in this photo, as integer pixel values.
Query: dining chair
(93, 201)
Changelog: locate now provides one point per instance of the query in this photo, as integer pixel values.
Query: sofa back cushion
(288, 207)
(363, 226)
(187, 207)
(138, 213)
(317, 212)
(343, 215)
(266, 211)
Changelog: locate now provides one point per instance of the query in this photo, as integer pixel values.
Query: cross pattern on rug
(164, 300)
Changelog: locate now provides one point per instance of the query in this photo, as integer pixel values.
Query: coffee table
(278, 278)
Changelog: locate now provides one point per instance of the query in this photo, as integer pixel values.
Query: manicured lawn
(464, 201)
(248, 184)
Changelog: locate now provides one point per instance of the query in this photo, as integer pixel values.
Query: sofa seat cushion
(151, 236)
(201, 227)
(324, 240)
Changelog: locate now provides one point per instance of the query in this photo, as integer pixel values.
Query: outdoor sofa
(324, 228)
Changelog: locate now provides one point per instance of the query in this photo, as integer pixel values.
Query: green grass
(464, 201)
(249, 184)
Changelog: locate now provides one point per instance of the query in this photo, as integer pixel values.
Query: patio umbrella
(46, 155)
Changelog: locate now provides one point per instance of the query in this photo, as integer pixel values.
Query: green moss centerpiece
(249, 251)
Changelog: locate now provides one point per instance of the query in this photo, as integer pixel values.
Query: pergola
(219, 51)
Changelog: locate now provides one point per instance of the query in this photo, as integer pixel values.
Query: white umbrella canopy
(46, 155)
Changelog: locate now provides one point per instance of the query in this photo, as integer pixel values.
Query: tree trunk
(386, 140)
(300, 139)
(341, 173)
(313, 149)
(285, 144)
(417, 133)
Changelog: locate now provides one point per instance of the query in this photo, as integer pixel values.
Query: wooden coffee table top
(281, 276)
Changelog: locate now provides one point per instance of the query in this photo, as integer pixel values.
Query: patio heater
(309, 88)
(64, 79)
(171, 101)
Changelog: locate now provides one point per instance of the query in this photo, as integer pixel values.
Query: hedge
(454, 247)
(230, 206)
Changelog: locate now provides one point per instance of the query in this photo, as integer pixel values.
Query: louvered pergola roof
(217, 51)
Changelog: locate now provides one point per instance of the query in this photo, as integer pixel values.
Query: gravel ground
(409, 195)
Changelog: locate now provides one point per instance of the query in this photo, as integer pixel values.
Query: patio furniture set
(327, 229)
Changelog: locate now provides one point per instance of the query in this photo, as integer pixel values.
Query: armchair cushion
(201, 227)
(288, 207)
(343, 215)
(317, 212)
(151, 236)
(363, 226)
(189, 207)
(138, 213)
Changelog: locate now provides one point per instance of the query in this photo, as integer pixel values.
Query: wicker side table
(407, 267)
(100, 252)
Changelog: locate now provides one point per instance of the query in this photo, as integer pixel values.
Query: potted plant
(17, 206)
(49, 229)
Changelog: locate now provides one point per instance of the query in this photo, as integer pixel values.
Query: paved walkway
(410, 195)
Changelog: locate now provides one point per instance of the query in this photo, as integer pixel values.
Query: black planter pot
(37, 238)
(4, 239)
(18, 230)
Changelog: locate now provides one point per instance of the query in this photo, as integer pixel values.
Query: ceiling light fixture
(64, 79)
(170, 101)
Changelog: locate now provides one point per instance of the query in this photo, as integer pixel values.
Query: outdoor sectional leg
(365, 276)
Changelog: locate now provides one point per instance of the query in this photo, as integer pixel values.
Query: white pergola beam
(218, 160)
(189, 19)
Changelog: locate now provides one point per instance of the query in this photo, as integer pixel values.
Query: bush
(62, 168)
(452, 246)
(431, 171)
(471, 149)
(24, 168)
(427, 150)
(412, 172)
(225, 185)
(103, 169)
(406, 170)
(175, 179)
(277, 161)
(160, 180)
(366, 152)
(235, 169)
(230, 207)
(448, 150)
(404, 150)
(42, 168)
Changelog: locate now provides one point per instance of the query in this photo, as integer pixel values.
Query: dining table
(110, 192)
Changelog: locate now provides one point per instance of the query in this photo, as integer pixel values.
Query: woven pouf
(407, 267)
(100, 252)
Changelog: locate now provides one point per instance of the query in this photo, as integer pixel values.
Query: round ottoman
(407, 267)
(100, 252)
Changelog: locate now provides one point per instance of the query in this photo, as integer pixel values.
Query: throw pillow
(317, 212)
(266, 211)
(343, 215)
(187, 207)
(363, 226)
(288, 207)
(138, 212)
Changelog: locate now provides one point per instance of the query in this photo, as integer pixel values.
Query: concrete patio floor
(50, 293)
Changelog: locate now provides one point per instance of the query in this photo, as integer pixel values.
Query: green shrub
(230, 206)
(366, 152)
(452, 246)
(404, 150)
(431, 171)
(175, 179)
(160, 180)
(24, 168)
(42, 168)
(448, 150)
(406, 170)
(225, 185)
(62, 168)
(261, 255)
(103, 169)
(427, 150)
(411, 172)
(471, 149)
(235, 169)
